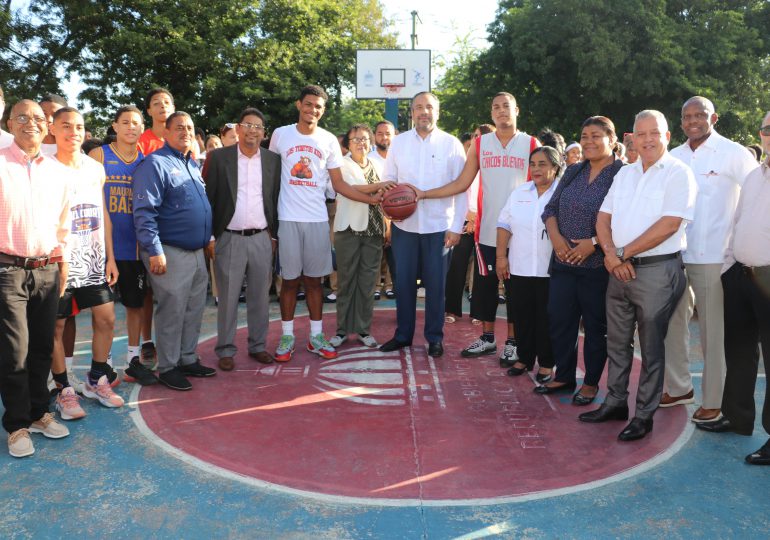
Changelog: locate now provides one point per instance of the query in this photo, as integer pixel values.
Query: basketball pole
(391, 111)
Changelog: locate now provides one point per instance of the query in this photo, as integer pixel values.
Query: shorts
(304, 249)
(132, 283)
(80, 298)
(485, 287)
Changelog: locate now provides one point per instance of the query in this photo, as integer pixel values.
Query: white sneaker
(49, 427)
(369, 341)
(102, 391)
(421, 292)
(74, 381)
(67, 404)
(509, 356)
(20, 443)
(337, 340)
(479, 347)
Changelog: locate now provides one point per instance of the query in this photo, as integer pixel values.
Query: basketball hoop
(392, 91)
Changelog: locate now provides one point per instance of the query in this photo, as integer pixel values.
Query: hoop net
(393, 90)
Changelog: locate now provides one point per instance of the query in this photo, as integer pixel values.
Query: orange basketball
(399, 203)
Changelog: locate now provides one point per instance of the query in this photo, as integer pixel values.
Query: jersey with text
(118, 193)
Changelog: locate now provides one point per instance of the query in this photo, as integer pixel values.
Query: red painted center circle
(397, 425)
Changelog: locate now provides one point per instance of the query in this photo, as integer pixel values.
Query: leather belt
(29, 263)
(246, 232)
(639, 261)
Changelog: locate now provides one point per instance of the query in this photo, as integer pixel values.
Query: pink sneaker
(101, 391)
(68, 406)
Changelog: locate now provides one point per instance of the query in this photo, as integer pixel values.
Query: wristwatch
(594, 241)
(619, 252)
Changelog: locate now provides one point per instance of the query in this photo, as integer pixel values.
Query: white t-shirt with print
(305, 162)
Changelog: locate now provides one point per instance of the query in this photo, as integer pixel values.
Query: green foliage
(354, 111)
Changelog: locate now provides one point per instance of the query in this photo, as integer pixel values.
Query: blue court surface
(122, 473)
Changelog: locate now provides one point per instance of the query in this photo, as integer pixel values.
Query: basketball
(399, 203)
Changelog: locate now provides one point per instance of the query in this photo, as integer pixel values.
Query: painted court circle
(395, 428)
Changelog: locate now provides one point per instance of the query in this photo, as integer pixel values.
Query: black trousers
(530, 313)
(577, 293)
(462, 256)
(747, 324)
(28, 303)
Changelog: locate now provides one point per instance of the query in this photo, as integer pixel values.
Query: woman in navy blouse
(579, 280)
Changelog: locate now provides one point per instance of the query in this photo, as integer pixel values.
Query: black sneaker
(197, 370)
(175, 379)
(139, 373)
(149, 356)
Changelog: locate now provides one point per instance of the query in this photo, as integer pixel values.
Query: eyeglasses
(248, 126)
(359, 140)
(765, 130)
(24, 119)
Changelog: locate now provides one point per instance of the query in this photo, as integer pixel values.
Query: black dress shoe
(636, 429)
(722, 425)
(604, 413)
(761, 456)
(394, 345)
(516, 371)
(563, 389)
(543, 378)
(581, 401)
(435, 349)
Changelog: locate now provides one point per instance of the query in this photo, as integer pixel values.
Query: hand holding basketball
(400, 202)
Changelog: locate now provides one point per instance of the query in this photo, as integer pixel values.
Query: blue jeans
(419, 255)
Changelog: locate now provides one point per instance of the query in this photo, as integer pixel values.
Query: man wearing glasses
(172, 217)
(242, 185)
(35, 227)
(720, 167)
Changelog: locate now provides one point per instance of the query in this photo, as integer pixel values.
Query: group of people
(575, 235)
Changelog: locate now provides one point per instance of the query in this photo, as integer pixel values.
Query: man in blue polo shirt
(172, 217)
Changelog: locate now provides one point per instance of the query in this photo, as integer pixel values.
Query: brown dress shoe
(263, 357)
(706, 415)
(226, 363)
(672, 401)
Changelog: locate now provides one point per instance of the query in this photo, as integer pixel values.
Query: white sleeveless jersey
(502, 169)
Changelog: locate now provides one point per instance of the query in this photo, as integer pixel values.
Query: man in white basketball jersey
(501, 159)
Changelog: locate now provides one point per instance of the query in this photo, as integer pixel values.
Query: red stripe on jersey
(480, 195)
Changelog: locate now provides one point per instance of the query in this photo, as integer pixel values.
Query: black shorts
(485, 287)
(132, 283)
(80, 298)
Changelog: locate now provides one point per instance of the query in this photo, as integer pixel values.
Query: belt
(246, 232)
(29, 263)
(639, 261)
(752, 270)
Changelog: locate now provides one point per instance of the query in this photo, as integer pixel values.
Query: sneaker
(478, 348)
(136, 372)
(667, 400)
(377, 295)
(68, 406)
(368, 341)
(175, 379)
(330, 298)
(510, 356)
(500, 299)
(102, 391)
(389, 294)
(49, 427)
(20, 443)
(196, 369)
(318, 345)
(300, 295)
(74, 381)
(149, 356)
(285, 349)
(337, 340)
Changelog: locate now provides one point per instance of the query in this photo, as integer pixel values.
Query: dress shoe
(516, 371)
(604, 413)
(263, 357)
(761, 456)
(582, 400)
(435, 349)
(543, 378)
(563, 389)
(672, 401)
(723, 425)
(226, 363)
(706, 415)
(636, 429)
(394, 345)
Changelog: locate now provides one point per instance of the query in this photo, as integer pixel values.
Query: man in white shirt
(310, 159)
(425, 157)
(242, 185)
(384, 132)
(719, 166)
(6, 139)
(746, 284)
(641, 228)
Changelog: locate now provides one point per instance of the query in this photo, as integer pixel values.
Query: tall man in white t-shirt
(720, 167)
(425, 157)
(501, 159)
(310, 159)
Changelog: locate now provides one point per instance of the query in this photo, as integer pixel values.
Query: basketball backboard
(392, 73)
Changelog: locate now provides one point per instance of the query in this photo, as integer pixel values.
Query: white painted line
(410, 376)
(437, 383)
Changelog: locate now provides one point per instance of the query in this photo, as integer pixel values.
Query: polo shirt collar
(177, 153)
(22, 157)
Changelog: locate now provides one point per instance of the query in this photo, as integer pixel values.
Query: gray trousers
(237, 256)
(358, 266)
(180, 296)
(647, 302)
